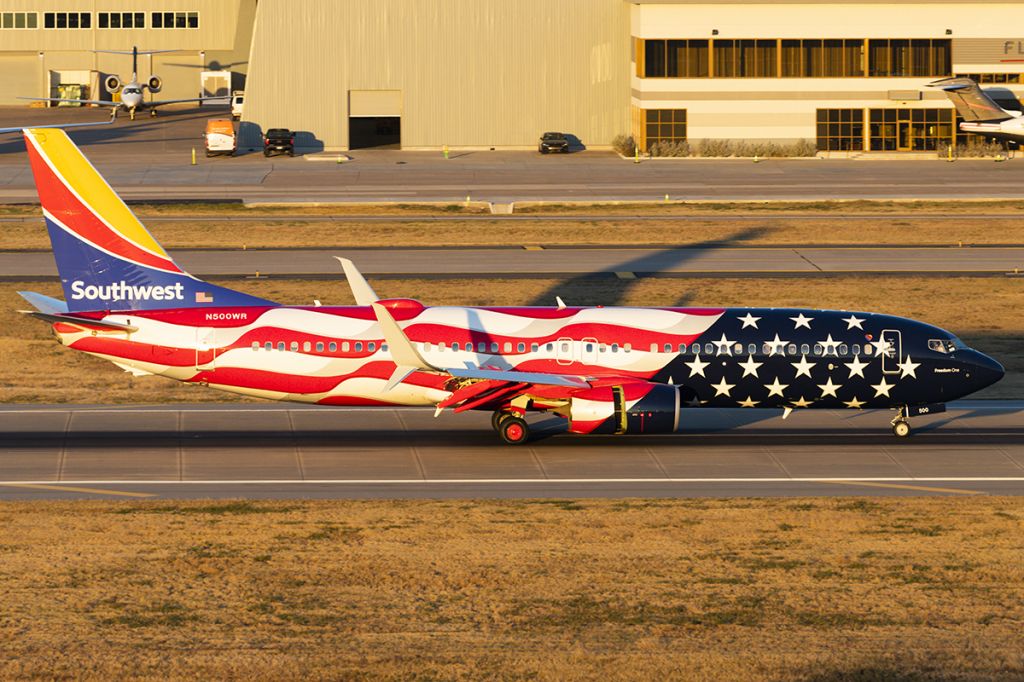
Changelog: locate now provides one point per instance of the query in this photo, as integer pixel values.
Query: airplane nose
(984, 370)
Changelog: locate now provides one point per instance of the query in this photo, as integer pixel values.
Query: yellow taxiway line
(918, 488)
(75, 489)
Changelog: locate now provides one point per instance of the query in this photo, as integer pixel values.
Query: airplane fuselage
(720, 357)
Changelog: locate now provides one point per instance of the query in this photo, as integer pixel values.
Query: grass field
(767, 230)
(799, 589)
(985, 312)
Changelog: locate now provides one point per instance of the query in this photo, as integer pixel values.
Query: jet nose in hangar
(984, 370)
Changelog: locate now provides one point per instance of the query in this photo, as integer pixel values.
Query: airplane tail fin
(106, 258)
(971, 102)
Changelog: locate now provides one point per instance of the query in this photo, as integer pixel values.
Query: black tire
(901, 429)
(208, 154)
(291, 152)
(514, 431)
(498, 417)
(266, 153)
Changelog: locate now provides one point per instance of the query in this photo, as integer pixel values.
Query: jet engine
(636, 407)
(154, 84)
(112, 84)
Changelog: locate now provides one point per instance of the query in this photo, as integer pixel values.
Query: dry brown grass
(764, 231)
(838, 589)
(985, 312)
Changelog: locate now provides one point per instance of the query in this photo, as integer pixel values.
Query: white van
(219, 137)
(237, 100)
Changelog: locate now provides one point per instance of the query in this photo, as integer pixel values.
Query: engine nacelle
(154, 84)
(639, 407)
(112, 84)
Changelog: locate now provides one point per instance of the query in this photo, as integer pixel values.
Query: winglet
(363, 292)
(403, 353)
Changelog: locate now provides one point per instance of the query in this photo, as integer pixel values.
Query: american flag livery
(604, 369)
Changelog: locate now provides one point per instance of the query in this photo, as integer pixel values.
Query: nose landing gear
(901, 426)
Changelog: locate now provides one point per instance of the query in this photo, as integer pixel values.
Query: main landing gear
(513, 429)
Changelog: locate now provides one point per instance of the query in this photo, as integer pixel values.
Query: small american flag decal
(203, 297)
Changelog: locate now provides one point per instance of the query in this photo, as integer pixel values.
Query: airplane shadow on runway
(596, 288)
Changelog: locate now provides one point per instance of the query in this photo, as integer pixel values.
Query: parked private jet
(132, 92)
(980, 113)
(604, 369)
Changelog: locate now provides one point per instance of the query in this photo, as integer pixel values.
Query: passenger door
(891, 351)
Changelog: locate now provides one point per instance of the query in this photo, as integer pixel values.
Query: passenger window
(294, 346)
(805, 349)
(508, 346)
(494, 346)
(695, 349)
(550, 347)
(709, 348)
(455, 346)
(589, 347)
(344, 346)
(752, 348)
(628, 347)
(306, 346)
(601, 348)
(738, 348)
(383, 348)
(319, 346)
(818, 349)
(682, 348)
(359, 346)
(534, 347)
(766, 349)
(481, 347)
(255, 345)
(428, 347)
(280, 345)
(333, 347)
(372, 346)
(440, 346)
(654, 348)
(565, 348)
(856, 349)
(268, 345)
(615, 348)
(843, 349)
(791, 349)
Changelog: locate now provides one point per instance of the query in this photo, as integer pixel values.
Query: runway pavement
(275, 451)
(518, 261)
(150, 160)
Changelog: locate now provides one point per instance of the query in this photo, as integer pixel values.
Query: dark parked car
(553, 142)
(279, 140)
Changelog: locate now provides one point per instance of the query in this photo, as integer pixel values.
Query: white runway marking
(450, 481)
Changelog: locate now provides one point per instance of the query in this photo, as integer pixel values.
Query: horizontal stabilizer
(59, 125)
(971, 102)
(80, 321)
(44, 304)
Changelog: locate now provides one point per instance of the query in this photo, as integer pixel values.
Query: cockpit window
(943, 345)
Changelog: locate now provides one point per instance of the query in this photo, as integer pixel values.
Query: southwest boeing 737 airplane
(605, 370)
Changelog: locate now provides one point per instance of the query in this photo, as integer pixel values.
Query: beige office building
(47, 47)
(848, 76)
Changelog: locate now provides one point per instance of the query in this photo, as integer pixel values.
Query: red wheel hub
(514, 432)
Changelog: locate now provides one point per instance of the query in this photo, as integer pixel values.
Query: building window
(19, 20)
(976, 77)
(822, 58)
(673, 59)
(121, 20)
(910, 129)
(175, 19)
(67, 20)
(902, 58)
(664, 125)
(746, 58)
(841, 129)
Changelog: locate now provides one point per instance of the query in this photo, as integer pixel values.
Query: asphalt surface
(507, 262)
(150, 159)
(275, 451)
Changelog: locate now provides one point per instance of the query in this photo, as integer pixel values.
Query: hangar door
(374, 119)
(21, 75)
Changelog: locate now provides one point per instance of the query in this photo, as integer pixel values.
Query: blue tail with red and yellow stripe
(106, 258)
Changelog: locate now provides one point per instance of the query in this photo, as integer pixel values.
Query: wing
(211, 100)
(57, 125)
(98, 102)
